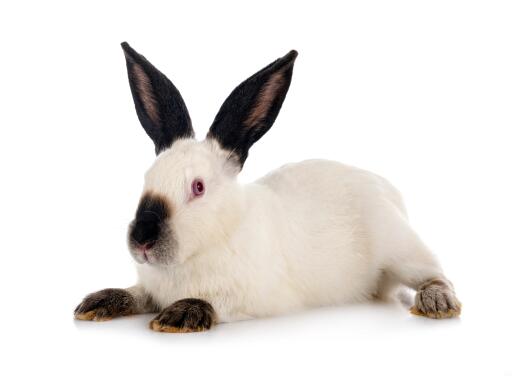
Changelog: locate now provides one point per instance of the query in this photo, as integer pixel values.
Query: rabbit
(209, 250)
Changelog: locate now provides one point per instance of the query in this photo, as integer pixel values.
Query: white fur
(308, 234)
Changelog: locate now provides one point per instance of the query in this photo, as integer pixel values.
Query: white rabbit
(212, 250)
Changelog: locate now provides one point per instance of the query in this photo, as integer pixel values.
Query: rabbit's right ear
(160, 107)
(251, 109)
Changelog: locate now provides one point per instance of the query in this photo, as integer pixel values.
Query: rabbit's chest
(220, 288)
(236, 292)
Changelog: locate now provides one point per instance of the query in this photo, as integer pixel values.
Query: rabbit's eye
(198, 187)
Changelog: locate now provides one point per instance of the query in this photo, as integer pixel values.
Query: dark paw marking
(436, 299)
(105, 305)
(184, 316)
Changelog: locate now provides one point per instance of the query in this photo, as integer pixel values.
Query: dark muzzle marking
(152, 212)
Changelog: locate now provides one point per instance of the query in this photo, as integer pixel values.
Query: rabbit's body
(309, 234)
(305, 238)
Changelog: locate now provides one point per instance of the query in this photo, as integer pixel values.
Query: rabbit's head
(191, 200)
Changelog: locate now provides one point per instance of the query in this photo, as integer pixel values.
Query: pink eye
(197, 187)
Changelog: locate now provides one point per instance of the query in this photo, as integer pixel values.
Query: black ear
(250, 110)
(160, 107)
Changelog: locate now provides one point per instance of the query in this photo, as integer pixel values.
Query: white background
(419, 92)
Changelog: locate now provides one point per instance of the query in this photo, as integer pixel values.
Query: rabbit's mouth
(144, 256)
(155, 252)
(154, 255)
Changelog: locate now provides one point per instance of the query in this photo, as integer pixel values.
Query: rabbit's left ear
(160, 107)
(250, 110)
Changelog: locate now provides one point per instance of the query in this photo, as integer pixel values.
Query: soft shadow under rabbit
(211, 250)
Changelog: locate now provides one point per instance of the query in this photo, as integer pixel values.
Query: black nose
(151, 215)
(145, 232)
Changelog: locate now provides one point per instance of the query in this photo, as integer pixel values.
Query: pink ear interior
(265, 99)
(146, 94)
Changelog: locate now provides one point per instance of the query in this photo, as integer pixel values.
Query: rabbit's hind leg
(416, 267)
(436, 299)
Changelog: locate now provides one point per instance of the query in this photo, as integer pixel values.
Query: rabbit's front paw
(184, 316)
(436, 299)
(105, 305)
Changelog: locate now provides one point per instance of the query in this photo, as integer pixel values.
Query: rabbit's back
(331, 244)
(326, 181)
